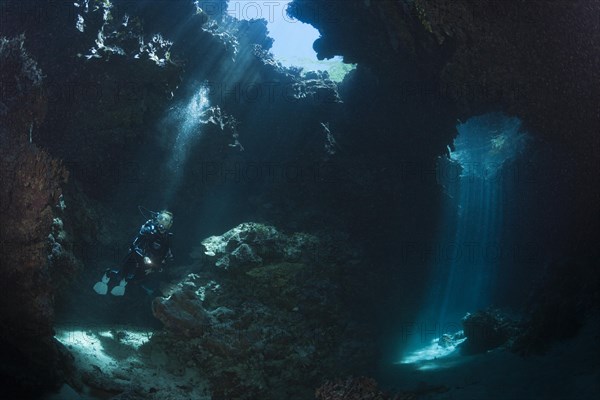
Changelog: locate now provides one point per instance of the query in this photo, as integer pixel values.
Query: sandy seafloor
(111, 359)
(124, 360)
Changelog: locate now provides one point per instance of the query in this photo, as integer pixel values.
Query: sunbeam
(471, 249)
(187, 120)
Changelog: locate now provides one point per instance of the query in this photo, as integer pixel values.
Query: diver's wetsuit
(151, 242)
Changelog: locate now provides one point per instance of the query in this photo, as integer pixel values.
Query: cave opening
(478, 178)
(292, 40)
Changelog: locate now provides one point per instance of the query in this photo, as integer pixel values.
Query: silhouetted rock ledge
(486, 330)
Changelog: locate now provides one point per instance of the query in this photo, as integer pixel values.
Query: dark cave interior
(357, 200)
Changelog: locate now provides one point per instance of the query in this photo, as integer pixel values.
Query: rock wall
(535, 60)
(31, 190)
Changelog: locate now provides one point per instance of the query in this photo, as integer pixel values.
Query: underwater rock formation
(267, 321)
(30, 233)
(351, 389)
(99, 103)
(487, 330)
(565, 297)
(64, 265)
(251, 244)
(483, 55)
(363, 388)
(446, 61)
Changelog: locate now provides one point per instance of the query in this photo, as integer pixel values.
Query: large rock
(182, 312)
(487, 330)
(252, 244)
(268, 323)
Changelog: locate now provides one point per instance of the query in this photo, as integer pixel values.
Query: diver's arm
(143, 239)
(148, 228)
(168, 254)
(168, 257)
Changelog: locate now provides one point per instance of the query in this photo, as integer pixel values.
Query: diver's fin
(119, 290)
(101, 288)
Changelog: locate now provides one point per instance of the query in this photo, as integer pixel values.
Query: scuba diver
(148, 255)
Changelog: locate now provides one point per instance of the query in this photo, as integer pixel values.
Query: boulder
(261, 315)
(253, 244)
(182, 313)
(487, 330)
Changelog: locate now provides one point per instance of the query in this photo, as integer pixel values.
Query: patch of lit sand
(123, 359)
(438, 354)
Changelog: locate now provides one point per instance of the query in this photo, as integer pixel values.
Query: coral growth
(31, 188)
(263, 317)
(20, 73)
(21, 80)
(351, 389)
(364, 388)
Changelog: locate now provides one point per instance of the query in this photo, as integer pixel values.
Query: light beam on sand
(466, 269)
(92, 345)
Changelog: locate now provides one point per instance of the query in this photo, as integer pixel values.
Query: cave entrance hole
(292, 40)
(477, 176)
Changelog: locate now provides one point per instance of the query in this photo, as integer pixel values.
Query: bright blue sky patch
(293, 39)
